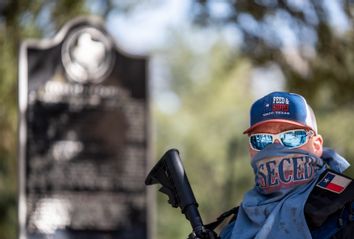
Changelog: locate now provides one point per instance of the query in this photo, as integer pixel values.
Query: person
(299, 191)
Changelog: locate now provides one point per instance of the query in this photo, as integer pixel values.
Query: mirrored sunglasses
(290, 139)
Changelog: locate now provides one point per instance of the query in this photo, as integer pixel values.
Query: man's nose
(276, 141)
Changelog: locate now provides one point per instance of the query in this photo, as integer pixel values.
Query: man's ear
(317, 145)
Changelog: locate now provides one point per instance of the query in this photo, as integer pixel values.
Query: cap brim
(247, 131)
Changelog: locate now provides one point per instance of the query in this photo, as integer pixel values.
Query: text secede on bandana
(273, 174)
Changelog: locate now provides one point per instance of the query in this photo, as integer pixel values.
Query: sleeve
(346, 233)
(347, 230)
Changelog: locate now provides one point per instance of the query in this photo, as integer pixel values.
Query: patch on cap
(282, 107)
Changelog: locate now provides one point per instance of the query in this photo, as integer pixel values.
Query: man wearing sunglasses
(299, 190)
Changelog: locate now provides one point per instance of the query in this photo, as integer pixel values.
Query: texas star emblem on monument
(87, 56)
(83, 137)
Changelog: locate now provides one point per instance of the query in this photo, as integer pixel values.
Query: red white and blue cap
(282, 107)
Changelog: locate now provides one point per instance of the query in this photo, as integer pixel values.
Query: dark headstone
(83, 137)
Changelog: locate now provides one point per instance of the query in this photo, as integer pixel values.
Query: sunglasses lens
(290, 139)
(294, 139)
(260, 141)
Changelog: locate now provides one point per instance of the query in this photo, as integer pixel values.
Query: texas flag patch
(334, 182)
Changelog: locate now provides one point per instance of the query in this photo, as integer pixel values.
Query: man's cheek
(252, 152)
(307, 147)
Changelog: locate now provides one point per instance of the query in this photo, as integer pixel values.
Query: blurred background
(208, 61)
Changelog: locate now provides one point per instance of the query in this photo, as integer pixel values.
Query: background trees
(311, 42)
(20, 19)
(207, 81)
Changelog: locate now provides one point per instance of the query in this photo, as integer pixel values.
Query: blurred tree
(20, 19)
(205, 109)
(312, 42)
(206, 126)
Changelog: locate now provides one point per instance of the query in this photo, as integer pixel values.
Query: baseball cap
(282, 107)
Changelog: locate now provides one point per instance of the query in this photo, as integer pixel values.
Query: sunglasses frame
(277, 137)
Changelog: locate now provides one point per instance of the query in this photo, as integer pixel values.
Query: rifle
(170, 173)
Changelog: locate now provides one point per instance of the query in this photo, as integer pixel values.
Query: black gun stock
(169, 172)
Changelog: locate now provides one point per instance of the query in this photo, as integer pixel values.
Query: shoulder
(227, 230)
(347, 223)
(330, 203)
(339, 225)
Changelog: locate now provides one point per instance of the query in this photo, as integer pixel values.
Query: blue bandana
(274, 207)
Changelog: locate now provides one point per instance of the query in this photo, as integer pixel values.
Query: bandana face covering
(278, 168)
(274, 207)
(284, 179)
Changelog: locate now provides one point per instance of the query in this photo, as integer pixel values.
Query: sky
(147, 26)
(146, 29)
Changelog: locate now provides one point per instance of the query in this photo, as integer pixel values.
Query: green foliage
(337, 130)
(214, 101)
(314, 50)
(71, 9)
(316, 62)
(19, 20)
(212, 88)
(207, 129)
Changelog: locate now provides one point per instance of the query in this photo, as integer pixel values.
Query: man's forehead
(274, 127)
